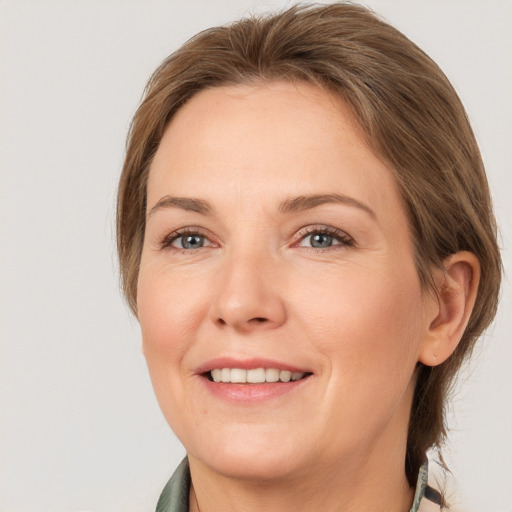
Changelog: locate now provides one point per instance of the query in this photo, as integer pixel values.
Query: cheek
(367, 329)
(366, 321)
(169, 311)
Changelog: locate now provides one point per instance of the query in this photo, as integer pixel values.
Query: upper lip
(247, 364)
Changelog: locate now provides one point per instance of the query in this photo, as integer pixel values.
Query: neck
(353, 488)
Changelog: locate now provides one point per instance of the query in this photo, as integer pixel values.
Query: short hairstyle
(411, 117)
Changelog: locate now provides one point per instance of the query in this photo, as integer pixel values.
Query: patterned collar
(425, 497)
(174, 497)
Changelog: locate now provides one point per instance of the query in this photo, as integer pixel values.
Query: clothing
(174, 497)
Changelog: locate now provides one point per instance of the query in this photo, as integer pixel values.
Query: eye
(186, 240)
(321, 240)
(194, 241)
(324, 238)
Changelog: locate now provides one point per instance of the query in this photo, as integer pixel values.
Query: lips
(253, 376)
(228, 370)
(249, 382)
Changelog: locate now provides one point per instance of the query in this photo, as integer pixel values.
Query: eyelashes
(323, 238)
(318, 238)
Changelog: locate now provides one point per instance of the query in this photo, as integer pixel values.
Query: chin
(259, 457)
(256, 468)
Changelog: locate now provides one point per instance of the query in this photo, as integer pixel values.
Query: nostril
(257, 319)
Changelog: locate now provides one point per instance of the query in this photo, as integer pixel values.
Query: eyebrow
(294, 204)
(309, 201)
(184, 203)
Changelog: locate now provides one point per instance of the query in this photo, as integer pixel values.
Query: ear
(449, 309)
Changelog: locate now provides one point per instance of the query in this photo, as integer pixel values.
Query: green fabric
(174, 497)
(421, 484)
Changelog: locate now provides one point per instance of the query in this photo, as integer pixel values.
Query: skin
(353, 314)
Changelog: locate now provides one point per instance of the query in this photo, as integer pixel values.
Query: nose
(250, 294)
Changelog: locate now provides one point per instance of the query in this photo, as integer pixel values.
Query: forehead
(260, 142)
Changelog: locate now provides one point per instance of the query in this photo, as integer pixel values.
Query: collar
(426, 499)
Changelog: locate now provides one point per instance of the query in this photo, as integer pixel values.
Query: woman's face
(277, 248)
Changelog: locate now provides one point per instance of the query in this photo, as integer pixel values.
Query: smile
(253, 376)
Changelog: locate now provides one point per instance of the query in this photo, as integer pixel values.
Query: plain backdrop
(80, 429)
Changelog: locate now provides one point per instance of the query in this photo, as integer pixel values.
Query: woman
(306, 236)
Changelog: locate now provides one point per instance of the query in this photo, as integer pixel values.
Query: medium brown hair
(412, 119)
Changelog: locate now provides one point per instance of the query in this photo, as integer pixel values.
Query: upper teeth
(256, 376)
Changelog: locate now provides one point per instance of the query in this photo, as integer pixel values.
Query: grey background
(79, 426)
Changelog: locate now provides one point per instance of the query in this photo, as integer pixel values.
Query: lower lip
(252, 393)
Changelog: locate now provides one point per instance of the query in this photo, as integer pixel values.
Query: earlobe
(457, 287)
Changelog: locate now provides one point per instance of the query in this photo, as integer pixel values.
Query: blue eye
(321, 240)
(325, 238)
(189, 241)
